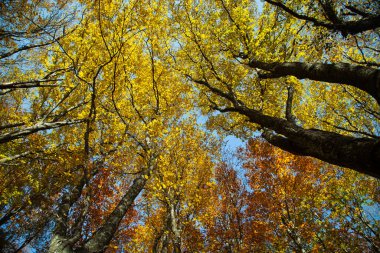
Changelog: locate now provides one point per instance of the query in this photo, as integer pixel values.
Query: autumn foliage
(114, 116)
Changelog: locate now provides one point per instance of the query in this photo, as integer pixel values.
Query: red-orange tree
(294, 204)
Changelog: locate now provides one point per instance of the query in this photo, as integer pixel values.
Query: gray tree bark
(61, 243)
(360, 154)
(103, 236)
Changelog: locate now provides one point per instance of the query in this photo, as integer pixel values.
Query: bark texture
(60, 242)
(29, 84)
(360, 154)
(103, 236)
(364, 78)
(175, 230)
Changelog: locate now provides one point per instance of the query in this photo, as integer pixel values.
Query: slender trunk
(29, 84)
(161, 240)
(103, 236)
(156, 242)
(175, 230)
(363, 78)
(60, 242)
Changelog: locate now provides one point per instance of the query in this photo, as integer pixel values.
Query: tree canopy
(113, 115)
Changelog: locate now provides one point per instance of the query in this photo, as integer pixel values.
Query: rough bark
(360, 154)
(60, 242)
(288, 110)
(102, 237)
(29, 84)
(363, 78)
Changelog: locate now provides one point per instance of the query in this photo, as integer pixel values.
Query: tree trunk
(360, 154)
(364, 78)
(103, 236)
(60, 242)
(175, 230)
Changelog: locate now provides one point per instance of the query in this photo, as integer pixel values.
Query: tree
(27, 33)
(244, 64)
(118, 87)
(352, 18)
(292, 203)
(178, 196)
(101, 146)
(230, 229)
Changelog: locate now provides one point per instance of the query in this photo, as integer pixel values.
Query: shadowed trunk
(175, 230)
(364, 78)
(360, 154)
(61, 243)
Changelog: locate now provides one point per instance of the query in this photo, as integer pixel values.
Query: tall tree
(309, 90)
(178, 195)
(126, 98)
(101, 146)
(292, 203)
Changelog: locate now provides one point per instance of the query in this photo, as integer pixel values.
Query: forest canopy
(113, 116)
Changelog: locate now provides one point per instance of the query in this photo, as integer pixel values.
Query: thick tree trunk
(360, 154)
(61, 243)
(363, 78)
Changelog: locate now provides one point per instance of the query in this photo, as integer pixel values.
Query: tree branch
(360, 154)
(345, 27)
(364, 78)
(29, 84)
(289, 102)
(10, 158)
(36, 128)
